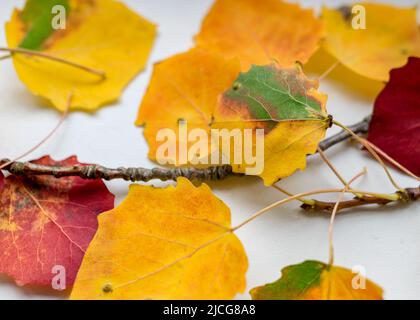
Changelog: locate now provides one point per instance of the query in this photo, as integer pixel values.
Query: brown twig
(367, 145)
(130, 174)
(143, 174)
(361, 127)
(46, 138)
(410, 195)
(6, 56)
(44, 55)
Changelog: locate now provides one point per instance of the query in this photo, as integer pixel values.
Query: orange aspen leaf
(260, 32)
(184, 87)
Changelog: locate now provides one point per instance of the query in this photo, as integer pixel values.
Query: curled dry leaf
(394, 127)
(314, 280)
(172, 243)
(47, 222)
(260, 32)
(390, 37)
(99, 34)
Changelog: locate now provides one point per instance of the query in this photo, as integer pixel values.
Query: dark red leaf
(395, 126)
(47, 222)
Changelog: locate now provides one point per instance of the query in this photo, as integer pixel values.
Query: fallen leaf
(184, 87)
(100, 34)
(390, 37)
(314, 280)
(47, 222)
(287, 105)
(394, 127)
(260, 32)
(171, 243)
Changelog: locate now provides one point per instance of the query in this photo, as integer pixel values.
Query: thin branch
(280, 202)
(143, 174)
(46, 138)
(395, 163)
(394, 197)
(334, 213)
(361, 127)
(327, 72)
(287, 193)
(43, 55)
(331, 228)
(332, 167)
(129, 174)
(367, 144)
(6, 56)
(409, 195)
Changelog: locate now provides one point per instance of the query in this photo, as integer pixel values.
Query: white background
(385, 241)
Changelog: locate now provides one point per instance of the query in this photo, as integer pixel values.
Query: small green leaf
(295, 281)
(314, 280)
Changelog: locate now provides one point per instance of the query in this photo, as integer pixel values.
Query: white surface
(385, 241)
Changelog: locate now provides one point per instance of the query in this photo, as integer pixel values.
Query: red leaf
(395, 126)
(47, 222)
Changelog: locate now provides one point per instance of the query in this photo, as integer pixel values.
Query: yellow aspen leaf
(260, 32)
(184, 87)
(102, 35)
(314, 280)
(347, 80)
(172, 243)
(374, 46)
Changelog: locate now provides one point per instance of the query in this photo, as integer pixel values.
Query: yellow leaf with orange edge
(385, 42)
(103, 35)
(171, 243)
(260, 32)
(314, 280)
(184, 87)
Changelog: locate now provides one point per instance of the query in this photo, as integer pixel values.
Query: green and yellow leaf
(287, 105)
(102, 35)
(314, 280)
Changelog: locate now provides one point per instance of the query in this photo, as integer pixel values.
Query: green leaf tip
(37, 16)
(295, 280)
